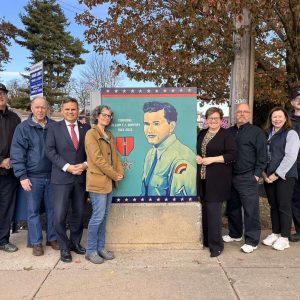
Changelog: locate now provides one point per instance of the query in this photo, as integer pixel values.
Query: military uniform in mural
(169, 170)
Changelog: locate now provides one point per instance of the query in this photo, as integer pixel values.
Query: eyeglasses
(3, 93)
(106, 115)
(243, 112)
(214, 119)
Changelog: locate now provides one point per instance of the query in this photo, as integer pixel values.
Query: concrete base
(155, 226)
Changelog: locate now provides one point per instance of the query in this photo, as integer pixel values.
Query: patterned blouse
(208, 137)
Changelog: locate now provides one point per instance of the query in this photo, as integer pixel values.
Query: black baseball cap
(3, 88)
(294, 95)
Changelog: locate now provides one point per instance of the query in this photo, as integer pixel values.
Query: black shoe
(65, 256)
(215, 253)
(9, 247)
(77, 248)
(295, 237)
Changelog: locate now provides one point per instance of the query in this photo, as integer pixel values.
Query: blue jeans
(41, 190)
(97, 224)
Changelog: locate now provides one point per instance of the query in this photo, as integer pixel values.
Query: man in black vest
(295, 118)
(8, 182)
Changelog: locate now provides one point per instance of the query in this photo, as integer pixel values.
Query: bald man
(250, 163)
(33, 169)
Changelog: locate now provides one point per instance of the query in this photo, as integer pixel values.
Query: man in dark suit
(65, 149)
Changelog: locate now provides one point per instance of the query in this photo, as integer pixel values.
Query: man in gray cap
(8, 182)
(295, 118)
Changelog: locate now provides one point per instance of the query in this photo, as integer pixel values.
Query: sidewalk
(152, 274)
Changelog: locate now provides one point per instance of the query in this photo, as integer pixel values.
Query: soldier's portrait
(169, 165)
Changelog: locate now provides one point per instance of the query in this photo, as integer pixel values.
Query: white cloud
(8, 75)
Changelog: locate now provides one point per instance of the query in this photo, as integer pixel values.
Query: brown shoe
(53, 244)
(37, 250)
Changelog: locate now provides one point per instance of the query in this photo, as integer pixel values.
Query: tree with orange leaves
(189, 43)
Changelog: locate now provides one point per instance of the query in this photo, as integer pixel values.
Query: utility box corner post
(155, 130)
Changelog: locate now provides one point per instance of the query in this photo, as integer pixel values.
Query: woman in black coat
(216, 151)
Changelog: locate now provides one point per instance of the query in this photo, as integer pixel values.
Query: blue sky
(10, 11)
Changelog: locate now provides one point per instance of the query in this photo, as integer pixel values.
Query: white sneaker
(227, 239)
(271, 239)
(248, 248)
(281, 244)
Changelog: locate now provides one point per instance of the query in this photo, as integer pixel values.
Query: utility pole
(242, 72)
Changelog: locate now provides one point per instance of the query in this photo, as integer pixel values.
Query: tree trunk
(242, 73)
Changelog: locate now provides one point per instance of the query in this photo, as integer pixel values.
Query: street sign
(36, 80)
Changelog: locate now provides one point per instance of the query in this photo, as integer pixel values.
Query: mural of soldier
(169, 166)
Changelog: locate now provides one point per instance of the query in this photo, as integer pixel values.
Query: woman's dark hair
(286, 126)
(213, 110)
(97, 111)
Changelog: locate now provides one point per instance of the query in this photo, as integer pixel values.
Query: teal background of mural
(125, 108)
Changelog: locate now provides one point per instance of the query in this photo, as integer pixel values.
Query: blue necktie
(150, 173)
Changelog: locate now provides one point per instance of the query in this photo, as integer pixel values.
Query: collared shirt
(75, 128)
(252, 149)
(66, 166)
(175, 170)
(162, 147)
(41, 124)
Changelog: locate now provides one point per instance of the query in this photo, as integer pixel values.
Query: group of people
(56, 163)
(230, 165)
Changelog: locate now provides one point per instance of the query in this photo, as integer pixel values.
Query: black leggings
(279, 195)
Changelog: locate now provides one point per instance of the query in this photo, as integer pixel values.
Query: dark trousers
(296, 203)
(212, 225)
(279, 195)
(211, 222)
(244, 196)
(8, 193)
(66, 195)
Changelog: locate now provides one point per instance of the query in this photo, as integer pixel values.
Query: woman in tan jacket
(104, 170)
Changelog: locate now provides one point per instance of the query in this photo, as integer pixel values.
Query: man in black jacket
(295, 117)
(250, 163)
(8, 183)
